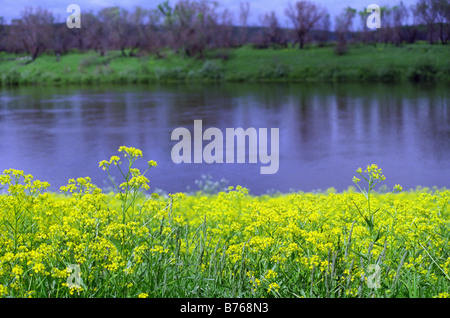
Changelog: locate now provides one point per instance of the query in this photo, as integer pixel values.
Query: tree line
(190, 27)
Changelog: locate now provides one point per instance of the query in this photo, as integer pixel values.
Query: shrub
(275, 70)
(164, 74)
(367, 74)
(389, 73)
(340, 49)
(424, 71)
(211, 70)
(12, 78)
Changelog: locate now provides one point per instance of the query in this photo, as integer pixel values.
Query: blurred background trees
(344, 24)
(33, 33)
(190, 27)
(435, 15)
(304, 17)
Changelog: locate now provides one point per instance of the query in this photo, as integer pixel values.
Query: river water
(325, 132)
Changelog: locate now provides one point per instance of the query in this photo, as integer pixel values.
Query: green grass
(363, 63)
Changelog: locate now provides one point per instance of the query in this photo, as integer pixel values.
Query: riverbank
(363, 63)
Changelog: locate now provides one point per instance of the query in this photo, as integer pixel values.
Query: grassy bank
(127, 244)
(363, 63)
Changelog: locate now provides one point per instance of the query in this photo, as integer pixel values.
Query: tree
(170, 35)
(95, 33)
(434, 13)
(2, 34)
(365, 35)
(244, 12)
(78, 37)
(272, 32)
(442, 11)
(34, 31)
(304, 16)
(60, 40)
(190, 25)
(139, 32)
(192, 20)
(223, 34)
(344, 24)
(409, 32)
(12, 42)
(115, 21)
(146, 33)
(385, 33)
(324, 29)
(173, 24)
(400, 17)
(393, 19)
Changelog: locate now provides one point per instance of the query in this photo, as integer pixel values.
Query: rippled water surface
(326, 132)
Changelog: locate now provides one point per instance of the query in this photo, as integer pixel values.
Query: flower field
(86, 243)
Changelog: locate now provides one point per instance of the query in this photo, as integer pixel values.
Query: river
(325, 132)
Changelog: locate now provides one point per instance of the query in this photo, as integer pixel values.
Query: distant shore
(418, 62)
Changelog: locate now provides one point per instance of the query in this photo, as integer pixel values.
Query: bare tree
(385, 33)
(153, 34)
(364, 35)
(223, 33)
(435, 14)
(94, 33)
(60, 40)
(78, 36)
(190, 25)
(424, 13)
(409, 32)
(442, 11)
(324, 29)
(138, 31)
(3, 34)
(12, 41)
(400, 17)
(170, 34)
(304, 17)
(34, 31)
(272, 32)
(343, 28)
(115, 22)
(244, 12)
(177, 22)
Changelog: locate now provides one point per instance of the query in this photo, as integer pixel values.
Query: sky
(11, 9)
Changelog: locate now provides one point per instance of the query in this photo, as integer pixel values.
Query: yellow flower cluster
(232, 243)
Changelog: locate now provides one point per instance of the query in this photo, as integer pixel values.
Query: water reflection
(326, 131)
